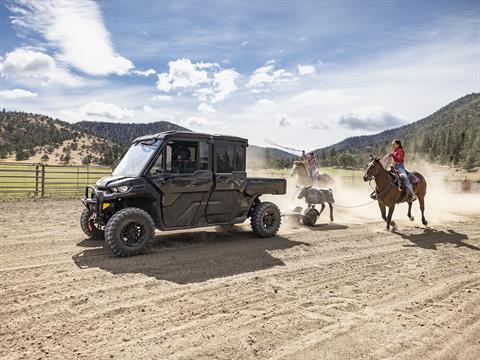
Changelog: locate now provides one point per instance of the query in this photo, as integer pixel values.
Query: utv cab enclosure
(178, 180)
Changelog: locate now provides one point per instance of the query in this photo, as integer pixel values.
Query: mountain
(451, 135)
(126, 132)
(257, 156)
(35, 138)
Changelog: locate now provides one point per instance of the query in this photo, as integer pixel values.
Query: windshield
(136, 158)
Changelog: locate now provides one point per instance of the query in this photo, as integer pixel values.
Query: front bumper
(98, 201)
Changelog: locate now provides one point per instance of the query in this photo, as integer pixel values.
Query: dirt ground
(336, 291)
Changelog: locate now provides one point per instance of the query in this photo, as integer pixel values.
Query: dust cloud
(444, 200)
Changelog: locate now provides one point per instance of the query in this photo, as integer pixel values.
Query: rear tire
(95, 233)
(130, 232)
(310, 218)
(265, 219)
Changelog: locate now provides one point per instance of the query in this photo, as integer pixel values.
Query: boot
(411, 197)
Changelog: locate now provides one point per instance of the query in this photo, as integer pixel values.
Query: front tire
(130, 232)
(265, 219)
(89, 227)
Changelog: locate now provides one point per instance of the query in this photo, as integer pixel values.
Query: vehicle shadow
(430, 238)
(190, 257)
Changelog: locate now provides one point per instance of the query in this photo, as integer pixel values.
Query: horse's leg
(421, 200)
(389, 217)
(323, 207)
(382, 211)
(331, 211)
(409, 214)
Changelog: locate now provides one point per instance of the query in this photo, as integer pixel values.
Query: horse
(388, 193)
(301, 173)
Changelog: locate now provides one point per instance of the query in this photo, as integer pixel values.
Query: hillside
(451, 135)
(126, 132)
(257, 156)
(35, 138)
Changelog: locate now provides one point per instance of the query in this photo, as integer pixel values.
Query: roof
(191, 134)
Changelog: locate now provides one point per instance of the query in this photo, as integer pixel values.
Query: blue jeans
(403, 174)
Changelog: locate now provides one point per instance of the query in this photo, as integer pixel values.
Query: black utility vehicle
(178, 180)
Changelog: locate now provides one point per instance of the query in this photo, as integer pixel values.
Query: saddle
(397, 180)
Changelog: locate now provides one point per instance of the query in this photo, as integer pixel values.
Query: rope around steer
(354, 206)
(368, 203)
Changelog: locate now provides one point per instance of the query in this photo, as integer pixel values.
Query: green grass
(20, 180)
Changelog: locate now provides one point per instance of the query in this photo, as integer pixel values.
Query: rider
(398, 156)
(303, 157)
(312, 164)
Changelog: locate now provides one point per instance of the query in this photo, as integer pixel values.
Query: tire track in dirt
(333, 291)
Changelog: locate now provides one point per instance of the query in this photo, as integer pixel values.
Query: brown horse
(302, 177)
(388, 194)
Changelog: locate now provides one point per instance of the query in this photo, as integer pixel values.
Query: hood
(110, 181)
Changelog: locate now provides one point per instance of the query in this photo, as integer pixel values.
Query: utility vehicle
(178, 180)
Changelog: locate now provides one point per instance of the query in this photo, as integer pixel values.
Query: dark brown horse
(388, 194)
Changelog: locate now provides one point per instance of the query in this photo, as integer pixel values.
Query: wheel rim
(133, 234)
(269, 219)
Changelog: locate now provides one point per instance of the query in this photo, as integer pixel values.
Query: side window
(240, 157)
(203, 155)
(158, 166)
(224, 157)
(181, 157)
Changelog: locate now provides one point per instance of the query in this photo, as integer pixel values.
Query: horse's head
(297, 165)
(373, 168)
(302, 191)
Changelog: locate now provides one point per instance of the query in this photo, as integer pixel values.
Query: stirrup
(374, 196)
(412, 197)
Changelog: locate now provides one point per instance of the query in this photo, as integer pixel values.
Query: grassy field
(25, 180)
(20, 180)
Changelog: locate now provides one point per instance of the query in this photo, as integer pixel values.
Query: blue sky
(304, 74)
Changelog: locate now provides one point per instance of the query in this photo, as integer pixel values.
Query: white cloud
(282, 121)
(27, 64)
(316, 125)
(147, 108)
(17, 94)
(145, 73)
(223, 84)
(206, 80)
(305, 70)
(106, 110)
(162, 98)
(244, 43)
(76, 30)
(267, 76)
(182, 74)
(370, 118)
(194, 121)
(264, 104)
(205, 108)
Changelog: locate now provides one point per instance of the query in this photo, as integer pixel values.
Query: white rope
(270, 142)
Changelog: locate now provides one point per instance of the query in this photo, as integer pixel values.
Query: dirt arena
(337, 291)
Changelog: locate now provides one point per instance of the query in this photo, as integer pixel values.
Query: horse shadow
(430, 238)
(191, 257)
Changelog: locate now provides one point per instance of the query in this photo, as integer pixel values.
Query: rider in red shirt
(398, 156)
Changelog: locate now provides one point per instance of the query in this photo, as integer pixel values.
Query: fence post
(37, 172)
(88, 175)
(43, 180)
(78, 167)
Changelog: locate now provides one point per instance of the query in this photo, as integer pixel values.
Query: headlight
(120, 189)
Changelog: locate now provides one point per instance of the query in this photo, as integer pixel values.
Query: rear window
(229, 157)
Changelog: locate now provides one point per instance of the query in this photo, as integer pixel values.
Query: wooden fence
(43, 180)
